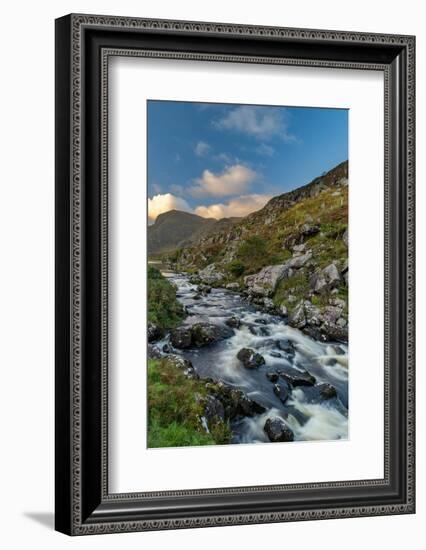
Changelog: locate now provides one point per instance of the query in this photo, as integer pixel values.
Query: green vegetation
(236, 268)
(164, 310)
(175, 405)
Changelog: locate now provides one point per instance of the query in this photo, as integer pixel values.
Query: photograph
(247, 273)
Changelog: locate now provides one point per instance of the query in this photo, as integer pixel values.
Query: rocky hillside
(176, 229)
(289, 257)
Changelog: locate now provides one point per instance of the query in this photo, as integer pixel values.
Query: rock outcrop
(277, 430)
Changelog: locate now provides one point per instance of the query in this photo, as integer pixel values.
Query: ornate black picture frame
(83, 45)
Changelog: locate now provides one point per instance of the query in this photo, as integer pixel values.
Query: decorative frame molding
(84, 44)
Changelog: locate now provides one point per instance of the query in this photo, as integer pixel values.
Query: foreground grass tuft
(175, 408)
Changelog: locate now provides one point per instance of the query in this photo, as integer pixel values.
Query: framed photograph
(234, 274)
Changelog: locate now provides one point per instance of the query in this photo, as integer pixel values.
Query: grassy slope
(174, 411)
(164, 310)
(262, 245)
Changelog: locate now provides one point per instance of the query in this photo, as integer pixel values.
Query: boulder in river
(327, 391)
(198, 335)
(235, 402)
(298, 378)
(277, 430)
(204, 289)
(287, 346)
(272, 376)
(203, 334)
(233, 322)
(282, 392)
(167, 348)
(181, 337)
(250, 359)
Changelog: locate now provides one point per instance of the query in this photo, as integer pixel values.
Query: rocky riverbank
(258, 379)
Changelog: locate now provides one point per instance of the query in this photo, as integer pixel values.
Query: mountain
(176, 229)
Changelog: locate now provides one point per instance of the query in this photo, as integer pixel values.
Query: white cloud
(156, 188)
(265, 150)
(163, 203)
(176, 189)
(225, 158)
(202, 148)
(239, 207)
(259, 122)
(232, 181)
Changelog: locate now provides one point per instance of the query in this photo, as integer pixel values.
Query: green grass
(164, 310)
(174, 411)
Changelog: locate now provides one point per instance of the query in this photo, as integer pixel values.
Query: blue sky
(220, 160)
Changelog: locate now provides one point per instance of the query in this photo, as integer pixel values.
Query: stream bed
(283, 348)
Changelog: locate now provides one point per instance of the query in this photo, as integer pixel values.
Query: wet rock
(275, 353)
(167, 348)
(282, 392)
(213, 408)
(272, 376)
(204, 289)
(235, 402)
(335, 332)
(277, 430)
(197, 296)
(298, 378)
(336, 350)
(250, 359)
(327, 391)
(154, 332)
(265, 282)
(248, 407)
(153, 352)
(233, 322)
(203, 334)
(261, 321)
(258, 330)
(181, 337)
(287, 346)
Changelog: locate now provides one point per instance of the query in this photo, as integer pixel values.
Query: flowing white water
(309, 417)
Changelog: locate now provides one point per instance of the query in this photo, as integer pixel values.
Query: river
(310, 418)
